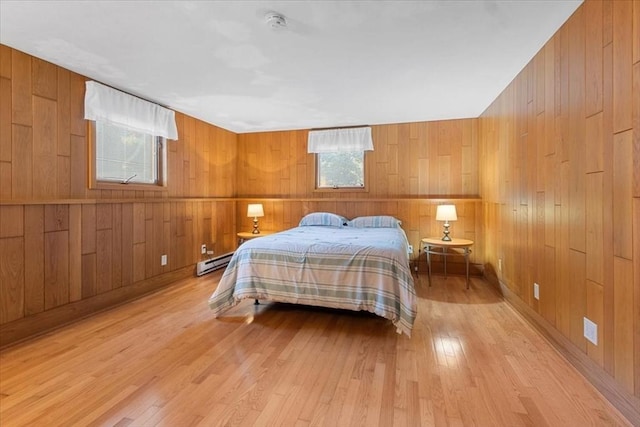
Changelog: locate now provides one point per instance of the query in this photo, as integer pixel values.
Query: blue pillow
(378, 221)
(323, 218)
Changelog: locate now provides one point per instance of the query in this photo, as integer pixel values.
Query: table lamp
(255, 210)
(446, 213)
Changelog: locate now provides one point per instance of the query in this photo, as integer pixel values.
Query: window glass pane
(337, 170)
(125, 155)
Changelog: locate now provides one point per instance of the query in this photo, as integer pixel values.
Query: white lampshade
(255, 210)
(446, 213)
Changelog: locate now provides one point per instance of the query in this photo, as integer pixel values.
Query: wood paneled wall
(419, 159)
(560, 183)
(64, 246)
(43, 145)
(413, 167)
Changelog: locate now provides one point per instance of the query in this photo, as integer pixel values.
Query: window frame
(362, 189)
(95, 183)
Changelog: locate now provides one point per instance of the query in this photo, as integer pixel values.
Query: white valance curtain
(104, 103)
(340, 140)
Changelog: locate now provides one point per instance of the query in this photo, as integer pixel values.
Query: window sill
(129, 186)
(341, 190)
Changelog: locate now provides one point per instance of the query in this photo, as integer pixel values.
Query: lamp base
(446, 237)
(256, 230)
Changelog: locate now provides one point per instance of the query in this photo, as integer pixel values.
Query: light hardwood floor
(164, 360)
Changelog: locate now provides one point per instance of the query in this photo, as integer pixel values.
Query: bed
(326, 261)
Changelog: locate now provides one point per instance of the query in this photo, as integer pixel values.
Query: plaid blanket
(346, 268)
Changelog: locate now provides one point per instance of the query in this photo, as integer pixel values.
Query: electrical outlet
(410, 249)
(203, 249)
(590, 331)
(163, 260)
(536, 291)
(500, 264)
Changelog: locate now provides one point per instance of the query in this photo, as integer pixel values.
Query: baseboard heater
(204, 267)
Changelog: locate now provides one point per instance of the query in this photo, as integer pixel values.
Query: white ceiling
(337, 63)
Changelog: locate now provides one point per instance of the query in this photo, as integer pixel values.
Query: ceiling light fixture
(275, 20)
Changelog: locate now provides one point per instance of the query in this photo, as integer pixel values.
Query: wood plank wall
(413, 167)
(63, 244)
(419, 160)
(560, 183)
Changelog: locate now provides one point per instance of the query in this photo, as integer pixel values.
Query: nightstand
(437, 246)
(247, 235)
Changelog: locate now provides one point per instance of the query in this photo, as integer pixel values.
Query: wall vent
(204, 267)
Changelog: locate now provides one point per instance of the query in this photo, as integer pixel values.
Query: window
(127, 156)
(127, 138)
(340, 170)
(340, 156)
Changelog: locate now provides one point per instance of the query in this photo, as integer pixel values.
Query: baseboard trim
(31, 326)
(618, 397)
